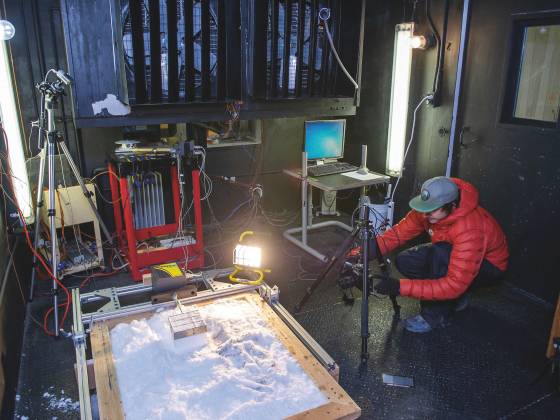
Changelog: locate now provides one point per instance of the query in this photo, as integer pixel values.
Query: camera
(351, 275)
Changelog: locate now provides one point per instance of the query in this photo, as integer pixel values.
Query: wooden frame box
(339, 405)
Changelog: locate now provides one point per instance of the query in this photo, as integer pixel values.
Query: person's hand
(389, 286)
(357, 253)
(354, 252)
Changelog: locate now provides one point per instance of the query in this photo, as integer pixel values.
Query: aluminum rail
(216, 290)
(89, 318)
(79, 338)
(205, 277)
(315, 348)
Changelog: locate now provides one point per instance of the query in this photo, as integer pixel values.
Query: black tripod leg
(385, 271)
(340, 252)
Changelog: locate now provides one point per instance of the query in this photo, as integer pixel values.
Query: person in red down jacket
(468, 248)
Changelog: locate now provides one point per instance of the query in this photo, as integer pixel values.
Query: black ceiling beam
(216, 111)
(287, 37)
(273, 88)
(205, 49)
(189, 50)
(325, 56)
(221, 52)
(233, 51)
(312, 48)
(138, 51)
(172, 52)
(155, 53)
(257, 58)
(300, 40)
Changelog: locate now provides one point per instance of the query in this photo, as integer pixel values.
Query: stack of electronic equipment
(157, 209)
(79, 237)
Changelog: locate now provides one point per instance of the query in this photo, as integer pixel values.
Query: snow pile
(61, 404)
(237, 370)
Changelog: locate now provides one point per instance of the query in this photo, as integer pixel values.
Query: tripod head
(53, 90)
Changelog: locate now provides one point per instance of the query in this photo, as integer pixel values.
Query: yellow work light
(247, 258)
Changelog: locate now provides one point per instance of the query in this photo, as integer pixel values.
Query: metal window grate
(189, 50)
(179, 49)
(296, 38)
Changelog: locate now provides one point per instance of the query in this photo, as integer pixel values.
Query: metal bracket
(113, 304)
(270, 294)
(78, 338)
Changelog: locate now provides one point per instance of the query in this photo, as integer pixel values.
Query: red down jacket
(474, 235)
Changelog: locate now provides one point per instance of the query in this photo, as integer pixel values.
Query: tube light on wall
(398, 116)
(12, 128)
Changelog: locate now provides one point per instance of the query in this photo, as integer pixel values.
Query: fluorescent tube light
(12, 127)
(398, 116)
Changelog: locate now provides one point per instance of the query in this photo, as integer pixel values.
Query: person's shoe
(462, 303)
(417, 324)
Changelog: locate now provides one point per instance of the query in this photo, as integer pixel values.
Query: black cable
(438, 44)
(441, 57)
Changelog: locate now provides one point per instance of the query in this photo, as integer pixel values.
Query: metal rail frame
(82, 322)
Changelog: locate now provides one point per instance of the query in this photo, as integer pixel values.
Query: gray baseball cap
(435, 193)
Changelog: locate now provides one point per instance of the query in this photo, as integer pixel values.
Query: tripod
(366, 232)
(50, 92)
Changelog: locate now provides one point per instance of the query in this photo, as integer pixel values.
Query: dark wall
(37, 47)
(515, 168)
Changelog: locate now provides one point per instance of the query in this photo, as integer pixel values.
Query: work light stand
(50, 92)
(364, 230)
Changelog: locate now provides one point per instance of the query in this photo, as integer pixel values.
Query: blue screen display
(324, 139)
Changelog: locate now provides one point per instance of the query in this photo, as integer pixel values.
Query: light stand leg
(90, 201)
(304, 198)
(366, 228)
(52, 222)
(39, 205)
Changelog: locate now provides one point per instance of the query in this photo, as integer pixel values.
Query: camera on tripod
(55, 88)
(351, 274)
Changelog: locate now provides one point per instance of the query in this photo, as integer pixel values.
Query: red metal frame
(139, 261)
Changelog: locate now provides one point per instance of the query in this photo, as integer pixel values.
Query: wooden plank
(108, 394)
(554, 331)
(331, 410)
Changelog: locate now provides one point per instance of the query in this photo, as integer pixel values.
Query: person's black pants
(431, 261)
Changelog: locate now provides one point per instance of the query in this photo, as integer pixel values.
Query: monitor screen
(324, 139)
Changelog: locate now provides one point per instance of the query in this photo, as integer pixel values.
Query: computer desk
(336, 182)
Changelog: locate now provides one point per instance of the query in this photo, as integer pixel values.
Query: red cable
(30, 245)
(46, 267)
(87, 279)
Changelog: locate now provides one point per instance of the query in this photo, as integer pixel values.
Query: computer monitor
(324, 139)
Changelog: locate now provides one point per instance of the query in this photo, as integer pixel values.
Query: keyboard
(330, 168)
